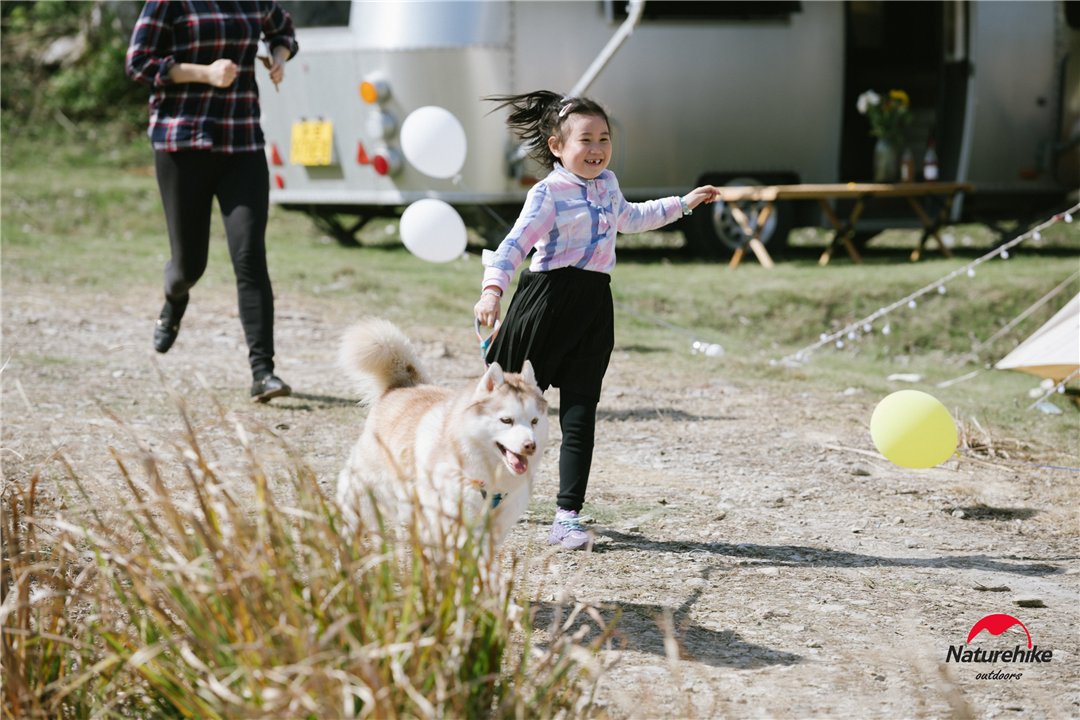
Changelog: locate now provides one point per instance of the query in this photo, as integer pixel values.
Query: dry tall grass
(221, 593)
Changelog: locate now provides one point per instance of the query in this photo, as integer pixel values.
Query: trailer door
(917, 47)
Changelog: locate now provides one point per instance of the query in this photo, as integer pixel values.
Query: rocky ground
(799, 574)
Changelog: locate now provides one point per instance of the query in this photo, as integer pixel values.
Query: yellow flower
(889, 116)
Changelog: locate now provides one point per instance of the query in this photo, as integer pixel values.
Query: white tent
(1052, 351)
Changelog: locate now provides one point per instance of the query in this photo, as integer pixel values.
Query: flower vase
(886, 161)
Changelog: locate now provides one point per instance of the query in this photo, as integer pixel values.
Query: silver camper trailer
(719, 92)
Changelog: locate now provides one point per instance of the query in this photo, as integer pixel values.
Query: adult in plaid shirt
(198, 57)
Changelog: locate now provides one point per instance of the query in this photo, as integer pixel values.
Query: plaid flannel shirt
(196, 116)
(572, 222)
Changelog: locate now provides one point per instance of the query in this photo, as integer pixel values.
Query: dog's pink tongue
(515, 462)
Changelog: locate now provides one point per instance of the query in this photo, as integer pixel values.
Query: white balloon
(432, 230)
(433, 141)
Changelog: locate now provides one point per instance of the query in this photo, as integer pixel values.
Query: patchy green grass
(84, 213)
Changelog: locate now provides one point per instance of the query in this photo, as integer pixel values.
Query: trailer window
(325, 13)
(731, 10)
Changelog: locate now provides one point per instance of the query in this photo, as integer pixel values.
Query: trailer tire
(712, 232)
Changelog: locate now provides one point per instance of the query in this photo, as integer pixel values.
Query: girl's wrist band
(685, 208)
(491, 291)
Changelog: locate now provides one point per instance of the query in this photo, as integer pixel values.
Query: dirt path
(803, 578)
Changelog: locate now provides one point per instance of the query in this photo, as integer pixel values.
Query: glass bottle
(930, 162)
(907, 166)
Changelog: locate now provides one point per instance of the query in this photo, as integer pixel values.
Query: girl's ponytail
(538, 115)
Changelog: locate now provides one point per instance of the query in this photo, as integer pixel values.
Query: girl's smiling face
(583, 146)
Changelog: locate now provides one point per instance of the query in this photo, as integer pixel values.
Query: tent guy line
(1024, 315)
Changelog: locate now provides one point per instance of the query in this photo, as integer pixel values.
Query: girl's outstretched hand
(487, 309)
(703, 194)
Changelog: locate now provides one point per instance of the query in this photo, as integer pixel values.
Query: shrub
(89, 84)
(234, 594)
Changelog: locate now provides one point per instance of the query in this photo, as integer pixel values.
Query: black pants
(189, 181)
(563, 322)
(577, 419)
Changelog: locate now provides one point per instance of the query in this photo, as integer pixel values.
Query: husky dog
(452, 455)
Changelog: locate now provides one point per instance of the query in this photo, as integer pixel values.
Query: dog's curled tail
(379, 357)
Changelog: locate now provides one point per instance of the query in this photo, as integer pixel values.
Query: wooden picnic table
(760, 200)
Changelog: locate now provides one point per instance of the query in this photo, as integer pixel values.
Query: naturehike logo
(997, 625)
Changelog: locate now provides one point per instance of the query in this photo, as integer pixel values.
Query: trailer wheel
(713, 231)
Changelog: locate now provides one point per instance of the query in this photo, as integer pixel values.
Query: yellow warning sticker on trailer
(312, 143)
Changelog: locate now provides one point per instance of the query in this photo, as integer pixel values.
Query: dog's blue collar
(495, 499)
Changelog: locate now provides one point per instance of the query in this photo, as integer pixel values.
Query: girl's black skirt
(563, 322)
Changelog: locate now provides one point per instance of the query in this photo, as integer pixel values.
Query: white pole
(633, 16)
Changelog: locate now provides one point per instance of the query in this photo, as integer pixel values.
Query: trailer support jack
(331, 224)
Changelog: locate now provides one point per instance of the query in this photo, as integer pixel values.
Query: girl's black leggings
(577, 418)
(189, 181)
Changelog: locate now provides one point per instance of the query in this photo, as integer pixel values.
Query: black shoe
(269, 387)
(168, 325)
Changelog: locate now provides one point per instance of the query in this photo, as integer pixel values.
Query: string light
(1001, 251)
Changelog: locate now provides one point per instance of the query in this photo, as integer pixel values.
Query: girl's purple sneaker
(568, 531)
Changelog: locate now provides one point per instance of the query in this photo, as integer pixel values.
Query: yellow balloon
(913, 429)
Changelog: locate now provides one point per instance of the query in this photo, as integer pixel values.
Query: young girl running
(561, 316)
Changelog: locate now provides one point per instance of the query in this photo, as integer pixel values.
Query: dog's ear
(527, 373)
(491, 379)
